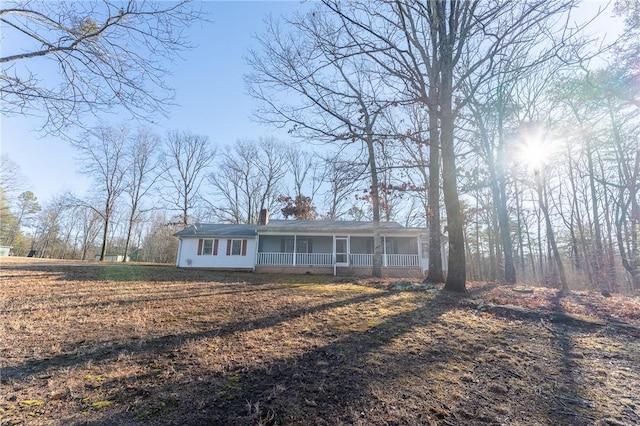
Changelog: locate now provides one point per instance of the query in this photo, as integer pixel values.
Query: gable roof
(218, 230)
(294, 226)
(339, 226)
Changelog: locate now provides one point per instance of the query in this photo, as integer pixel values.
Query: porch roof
(331, 227)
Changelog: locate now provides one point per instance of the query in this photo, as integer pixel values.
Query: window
(236, 247)
(207, 247)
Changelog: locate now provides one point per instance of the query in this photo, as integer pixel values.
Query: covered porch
(337, 251)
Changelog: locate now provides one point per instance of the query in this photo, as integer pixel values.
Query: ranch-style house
(303, 246)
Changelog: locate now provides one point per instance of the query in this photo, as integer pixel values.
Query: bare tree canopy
(248, 179)
(12, 181)
(102, 153)
(63, 60)
(184, 165)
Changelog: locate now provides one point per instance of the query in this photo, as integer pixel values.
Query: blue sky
(209, 89)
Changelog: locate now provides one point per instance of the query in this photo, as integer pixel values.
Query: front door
(342, 251)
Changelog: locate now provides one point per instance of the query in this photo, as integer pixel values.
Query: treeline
(516, 129)
(145, 187)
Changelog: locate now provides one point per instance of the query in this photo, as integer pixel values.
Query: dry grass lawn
(92, 344)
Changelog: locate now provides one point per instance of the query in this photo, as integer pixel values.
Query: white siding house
(303, 246)
(223, 246)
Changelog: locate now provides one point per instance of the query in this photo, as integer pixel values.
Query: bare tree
(27, 207)
(103, 54)
(628, 47)
(335, 98)
(248, 179)
(184, 165)
(12, 181)
(271, 168)
(88, 222)
(428, 51)
(103, 158)
(141, 177)
(541, 188)
(306, 171)
(341, 178)
(494, 115)
(48, 225)
(159, 244)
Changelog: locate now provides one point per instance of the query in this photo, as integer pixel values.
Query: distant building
(112, 258)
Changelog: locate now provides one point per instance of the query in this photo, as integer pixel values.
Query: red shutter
(199, 246)
(215, 247)
(228, 247)
(244, 247)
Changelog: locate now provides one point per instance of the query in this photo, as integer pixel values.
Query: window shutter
(199, 246)
(215, 247)
(228, 247)
(309, 245)
(244, 247)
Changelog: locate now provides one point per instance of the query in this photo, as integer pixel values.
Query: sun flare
(534, 154)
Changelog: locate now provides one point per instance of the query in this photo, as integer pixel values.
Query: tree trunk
(129, 230)
(105, 232)
(376, 270)
(185, 209)
(435, 273)
(551, 236)
(456, 269)
(519, 231)
(499, 190)
(493, 250)
(505, 232)
(599, 254)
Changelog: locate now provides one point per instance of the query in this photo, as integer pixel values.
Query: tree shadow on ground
(388, 372)
(291, 390)
(124, 272)
(181, 292)
(168, 342)
(570, 405)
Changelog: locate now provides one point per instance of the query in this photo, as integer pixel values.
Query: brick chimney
(264, 217)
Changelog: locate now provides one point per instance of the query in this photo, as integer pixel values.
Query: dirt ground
(92, 344)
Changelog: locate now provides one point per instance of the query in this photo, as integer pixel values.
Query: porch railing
(403, 260)
(270, 258)
(314, 259)
(361, 259)
(286, 259)
(326, 259)
(392, 260)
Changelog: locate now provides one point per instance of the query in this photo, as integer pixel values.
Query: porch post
(384, 250)
(295, 243)
(257, 254)
(333, 256)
